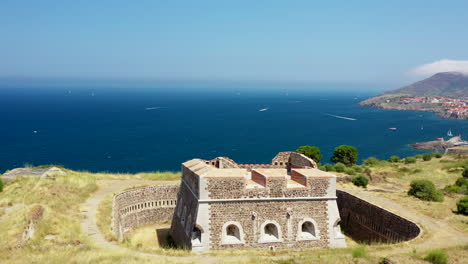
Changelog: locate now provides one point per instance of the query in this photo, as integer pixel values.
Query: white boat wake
(343, 117)
(263, 109)
(152, 108)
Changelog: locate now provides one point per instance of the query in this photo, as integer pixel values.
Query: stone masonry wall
(143, 205)
(251, 215)
(234, 188)
(366, 222)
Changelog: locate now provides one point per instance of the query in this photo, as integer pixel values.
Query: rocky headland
(445, 94)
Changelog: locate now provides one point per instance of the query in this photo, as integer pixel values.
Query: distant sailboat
(449, 133)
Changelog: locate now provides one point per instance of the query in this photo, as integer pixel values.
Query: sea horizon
(142, 129)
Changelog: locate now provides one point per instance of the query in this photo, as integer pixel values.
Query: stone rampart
(366, 222)
(141, 206)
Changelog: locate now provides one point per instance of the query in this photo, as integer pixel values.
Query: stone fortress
(286, 204)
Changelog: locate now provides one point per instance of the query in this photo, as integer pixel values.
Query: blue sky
(277, 41)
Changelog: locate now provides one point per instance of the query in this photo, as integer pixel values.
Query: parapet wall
(366, 222)
(141, 206)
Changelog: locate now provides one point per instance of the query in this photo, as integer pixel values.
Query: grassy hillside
(59, 238)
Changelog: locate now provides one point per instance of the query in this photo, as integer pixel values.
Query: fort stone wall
(142, 205)
(367, 222)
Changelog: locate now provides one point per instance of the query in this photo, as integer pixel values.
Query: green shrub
(462, 205)
(357, 168)
(371, 162)
(394, 158)
(461, 182)
(465, 173)
(418, 156)
(452, 188)
(340, 167)
(1, 185)
(345, 154)
(350, 171)
(427, 157)
(437, 257)
(409, 160)
(312, 152)
(360, 180)
(437, 155)
(328, 167)
(359, 252)
(425, 190)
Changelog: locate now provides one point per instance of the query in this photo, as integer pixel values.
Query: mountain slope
(448, 84)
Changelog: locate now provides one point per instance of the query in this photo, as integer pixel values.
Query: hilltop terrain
(71, 213)
(444, 93)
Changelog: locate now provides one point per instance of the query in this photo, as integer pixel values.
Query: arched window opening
(232, 233)
(196, 236)
(307, 230)
(271, 232)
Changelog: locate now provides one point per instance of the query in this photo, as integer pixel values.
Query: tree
(312, 152)
(345, 154)
(425, 190)
(360, 180)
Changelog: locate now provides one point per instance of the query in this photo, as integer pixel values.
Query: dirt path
(440, 235)
(90, 228)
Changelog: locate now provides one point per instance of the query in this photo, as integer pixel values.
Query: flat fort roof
(272, 172)
(312, 172)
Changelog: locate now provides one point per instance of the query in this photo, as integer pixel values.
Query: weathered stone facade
(286, 204)
(141, 206)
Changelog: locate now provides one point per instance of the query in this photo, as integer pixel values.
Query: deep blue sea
(133, 130)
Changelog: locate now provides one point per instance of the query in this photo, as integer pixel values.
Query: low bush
(437, 155)
(418, 156)
(328, 167)
(371, 162)
(394, 159)
(452, 189)
(425, 190)
(360, 180)
(1, 185)
(350, 171)
(357, 168)
(461, 182)
(437, 257)
(427, 157)
(359, 252)
(409, 160)
(340, 167)
(465, 172)
(462, 206)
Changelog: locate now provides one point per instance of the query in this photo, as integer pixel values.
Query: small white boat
(449, 133)
(263, 110)
(393, 128)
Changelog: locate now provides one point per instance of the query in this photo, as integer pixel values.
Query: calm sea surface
(131, 130)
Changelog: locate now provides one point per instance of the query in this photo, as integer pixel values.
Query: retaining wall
(141, 206)
(366, 222)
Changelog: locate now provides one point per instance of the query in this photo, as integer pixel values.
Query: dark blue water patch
(132, 130)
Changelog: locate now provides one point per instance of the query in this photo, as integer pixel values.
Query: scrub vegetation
(59, 238)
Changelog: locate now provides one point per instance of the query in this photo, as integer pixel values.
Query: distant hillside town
(456, 108)
(444, 93)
